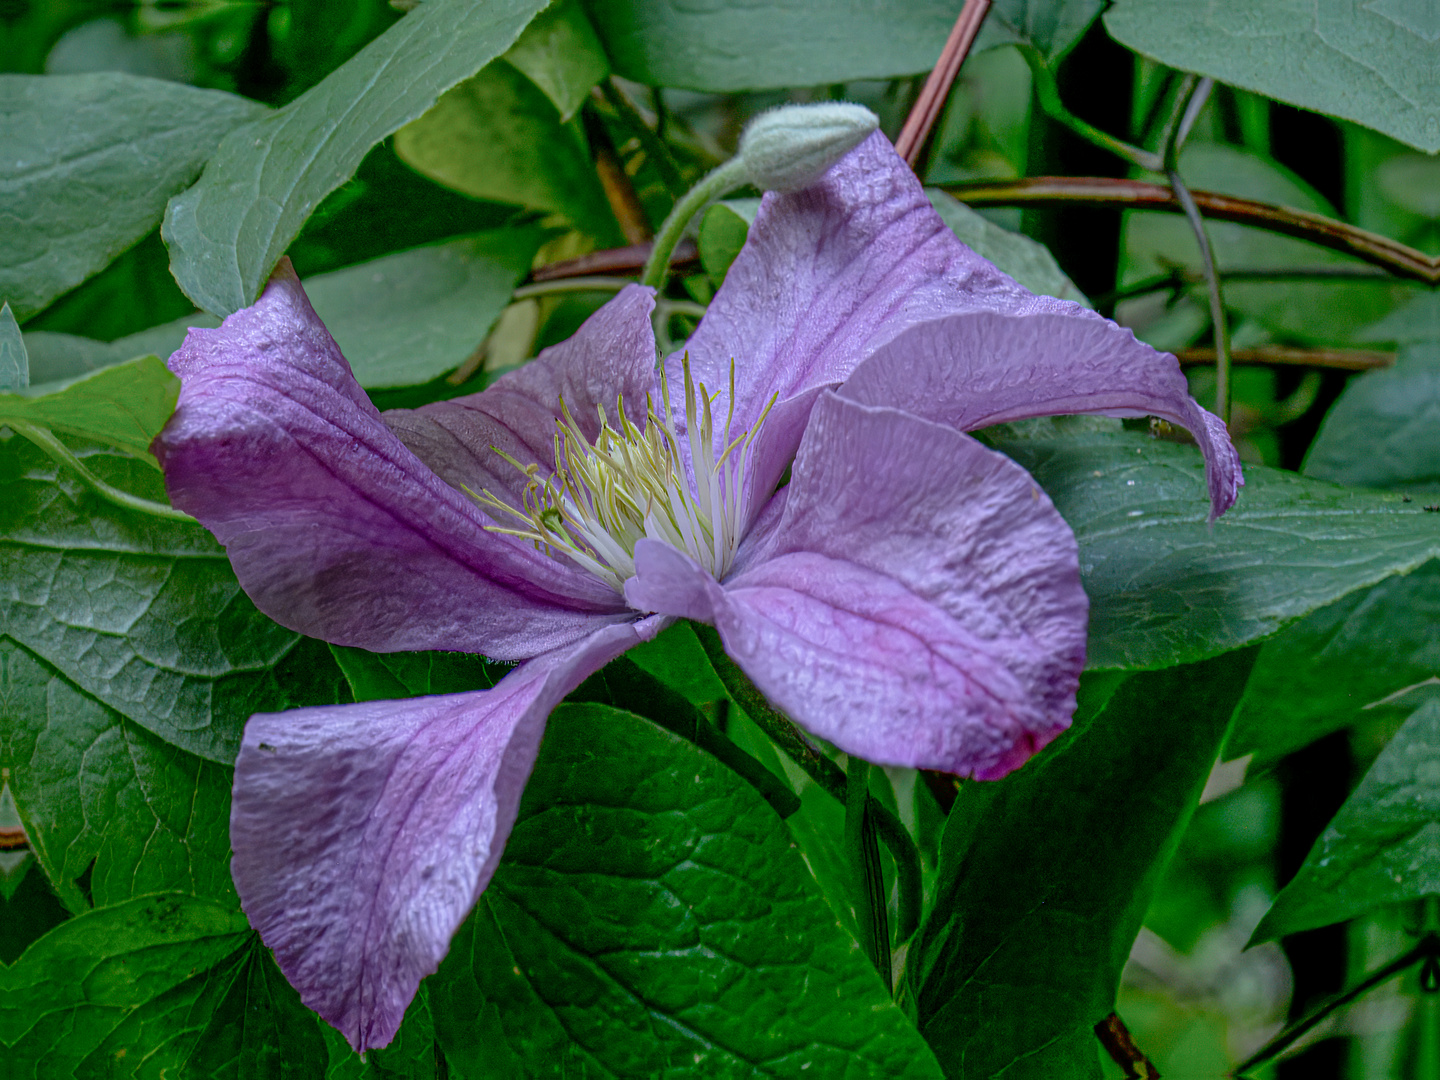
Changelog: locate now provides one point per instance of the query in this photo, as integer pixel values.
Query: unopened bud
(789, 148)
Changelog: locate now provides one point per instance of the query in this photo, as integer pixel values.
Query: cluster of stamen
(631, 484)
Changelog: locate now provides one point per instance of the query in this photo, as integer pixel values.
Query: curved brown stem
(1398, 258)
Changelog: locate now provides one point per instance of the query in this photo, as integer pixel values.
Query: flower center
(631, 484)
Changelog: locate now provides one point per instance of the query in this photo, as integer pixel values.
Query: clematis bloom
(909, 594)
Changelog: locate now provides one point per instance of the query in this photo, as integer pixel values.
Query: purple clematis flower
(909, 595)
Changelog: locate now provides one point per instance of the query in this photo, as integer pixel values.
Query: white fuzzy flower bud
(789, 148)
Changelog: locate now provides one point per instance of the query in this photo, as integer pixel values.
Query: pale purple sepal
(981, 369)
(333, 527)
(363, 834)
(918, 603)
(609, 359)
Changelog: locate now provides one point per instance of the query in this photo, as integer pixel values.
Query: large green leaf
(89, 161)
(1383, 847)
(400, 320)
(1094, 820)
(497, 136)
(1382, 430)
(1375, 649)
(734, 45)
(227, 232)
(143, 615)
(649, 918)
(1373, 63)
(409, 318)
(74, 985)
(14, 359)
(1165, 585)
(102, 795)
(1155, 244)
(124, 406)
(560, 54)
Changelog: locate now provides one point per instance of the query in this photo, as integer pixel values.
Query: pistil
(631, 484)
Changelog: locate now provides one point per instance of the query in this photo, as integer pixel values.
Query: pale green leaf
(1383, 847)
(14, 359)
(88, 163)
(560, 53)
(1373, 63)
(125, 405)
(227, 232)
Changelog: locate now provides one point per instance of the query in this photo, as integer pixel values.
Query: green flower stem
(1217, 296)
(1048, 95)
(869, 886)
(597, 283)
(715, 184)
(826, 774)
(61, 454)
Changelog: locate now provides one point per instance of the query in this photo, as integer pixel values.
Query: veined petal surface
(363, 834)
(918, 604)
(334, 528)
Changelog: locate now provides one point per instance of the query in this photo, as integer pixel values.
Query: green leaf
(1167, 587)
(1381, 431)
(497, 136)
(409, 318)
(260, 1028)
(650, 917)
(726, 45)
(143, 615)
(1383, 847)
(227, 232)
(1027, 261)
(1316, 311)
(1052, 26)
(1369, 63)
(74, 985)
(14, 360)
(1097, 816)
(102, 795)
(1376, 648)
(89, 162)
(56, 357)
(723, 230)
(560, 53)
(124, 406)
(385, 676)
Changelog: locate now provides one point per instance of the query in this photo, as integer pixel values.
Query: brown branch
(619, 191)
(1399, 259)
(931, 102)
(1120, 1045)
(1336, 359)
(617, 261)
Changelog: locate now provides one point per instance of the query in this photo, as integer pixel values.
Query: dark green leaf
(1167, 587)
(74, 985)
(99, 794)
(497, 136)
(227, 232)
(383, 676)
(676, 658)
(1384, 431)
(734, 45)
(1383, 847)
(259, 1029)
(143, 615)
(124, 406)
(1376, 648)
(88, 164)
(1369, 63)
(560, 54)
(1096, 817)
(412, 1055)
(650, 917)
